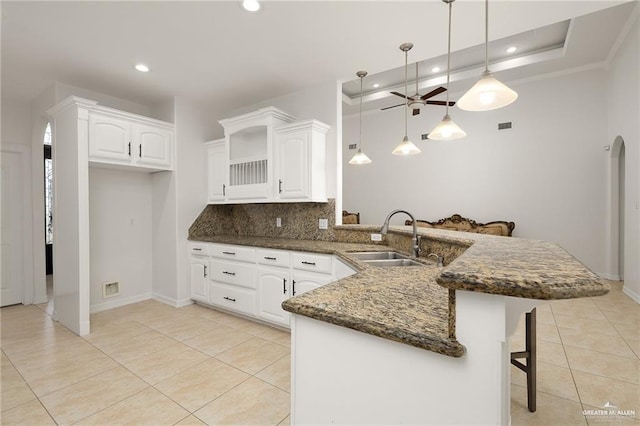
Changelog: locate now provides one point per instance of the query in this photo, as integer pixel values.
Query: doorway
(48, 214)
(617, 206)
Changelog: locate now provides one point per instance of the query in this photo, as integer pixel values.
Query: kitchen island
(358, 345)
(417, 345)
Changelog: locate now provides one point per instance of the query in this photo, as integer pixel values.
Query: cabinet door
(109, 139)
(293, 164)
(304, 281)
(154, 146)
(216, 170)
(273, 289)
(199, 280)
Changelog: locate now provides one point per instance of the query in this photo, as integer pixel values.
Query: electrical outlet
(376, 237)
(323, 223)
(278, 222)
(110, 289)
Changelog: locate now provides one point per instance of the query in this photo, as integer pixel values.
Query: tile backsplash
(299, 220)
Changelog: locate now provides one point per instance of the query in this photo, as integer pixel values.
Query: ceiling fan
(416, 101)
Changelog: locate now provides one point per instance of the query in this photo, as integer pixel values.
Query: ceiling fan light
(487, 94)
(447, 130)
(406, 147)
(360, 158)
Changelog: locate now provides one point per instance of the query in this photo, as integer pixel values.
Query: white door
(109, 139)
(305, 281)
(293, 164)
(273, 289)
(200, 280)
(11, 229)
(153, 146)
(217, 172)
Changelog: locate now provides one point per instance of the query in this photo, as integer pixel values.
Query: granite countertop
(413, 305)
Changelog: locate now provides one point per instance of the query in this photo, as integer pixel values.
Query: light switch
(323, 223)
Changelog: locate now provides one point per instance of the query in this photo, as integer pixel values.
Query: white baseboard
(171, 302)
(119, 302)
(632, 294)
(610, 277)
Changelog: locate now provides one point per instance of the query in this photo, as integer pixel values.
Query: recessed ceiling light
(251, 5)
(511, 49)
(376, 85)
(142, 68)
(435, 69)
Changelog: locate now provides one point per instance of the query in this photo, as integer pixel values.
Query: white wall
(16, 131)
(623, 92)
(120, 229)
(191, 184)
(548, 174)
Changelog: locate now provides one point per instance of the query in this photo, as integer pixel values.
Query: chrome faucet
(415, 242)
(439, 258)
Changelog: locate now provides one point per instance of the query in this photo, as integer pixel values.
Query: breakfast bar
(424, 345)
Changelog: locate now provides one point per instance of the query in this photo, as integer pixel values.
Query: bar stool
(530, 355)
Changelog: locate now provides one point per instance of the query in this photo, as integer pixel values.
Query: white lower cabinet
(233, 298)
(255, 281)
(274, 287)
(305, 281)
(199, 279)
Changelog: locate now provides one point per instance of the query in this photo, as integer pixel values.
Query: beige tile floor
(150, 364)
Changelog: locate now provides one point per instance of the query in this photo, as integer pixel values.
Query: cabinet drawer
(312, 262)
(240, 253)
(233, 298)
(273, 257)
(199, 249)
(234, 273)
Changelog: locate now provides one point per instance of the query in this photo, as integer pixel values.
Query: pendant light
(360, 157)
(406, 147)
(447, 129)
(488, 93)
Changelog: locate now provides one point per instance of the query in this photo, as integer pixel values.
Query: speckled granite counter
(416, 305)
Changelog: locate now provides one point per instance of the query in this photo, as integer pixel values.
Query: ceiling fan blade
(443, 103)
(382, 109)
(398, 94)
(433, 93)
(416, 111)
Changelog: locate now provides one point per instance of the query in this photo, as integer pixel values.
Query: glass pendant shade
(406, 147)
(360, 158)
(487, 94)
(447, 130)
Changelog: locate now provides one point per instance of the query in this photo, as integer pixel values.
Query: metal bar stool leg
(530, 354)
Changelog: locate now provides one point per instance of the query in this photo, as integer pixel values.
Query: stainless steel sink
(377, 255)
(383, 259)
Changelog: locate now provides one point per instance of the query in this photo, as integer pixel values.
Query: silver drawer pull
(270, 258)
(229, 273)
(309, 263)
(197, 249)
(229, 252)
(229, 299)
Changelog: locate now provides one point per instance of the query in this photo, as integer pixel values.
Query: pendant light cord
(360, 140)
(406, 96)
(486, 35)
(448, 60)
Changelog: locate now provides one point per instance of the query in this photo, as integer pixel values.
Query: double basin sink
(384, 259)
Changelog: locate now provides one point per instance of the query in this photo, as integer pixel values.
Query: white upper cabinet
(216, 170)
(109, 138)
(117, 138)
(301, 165)
(249, 154)
(268, 158)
